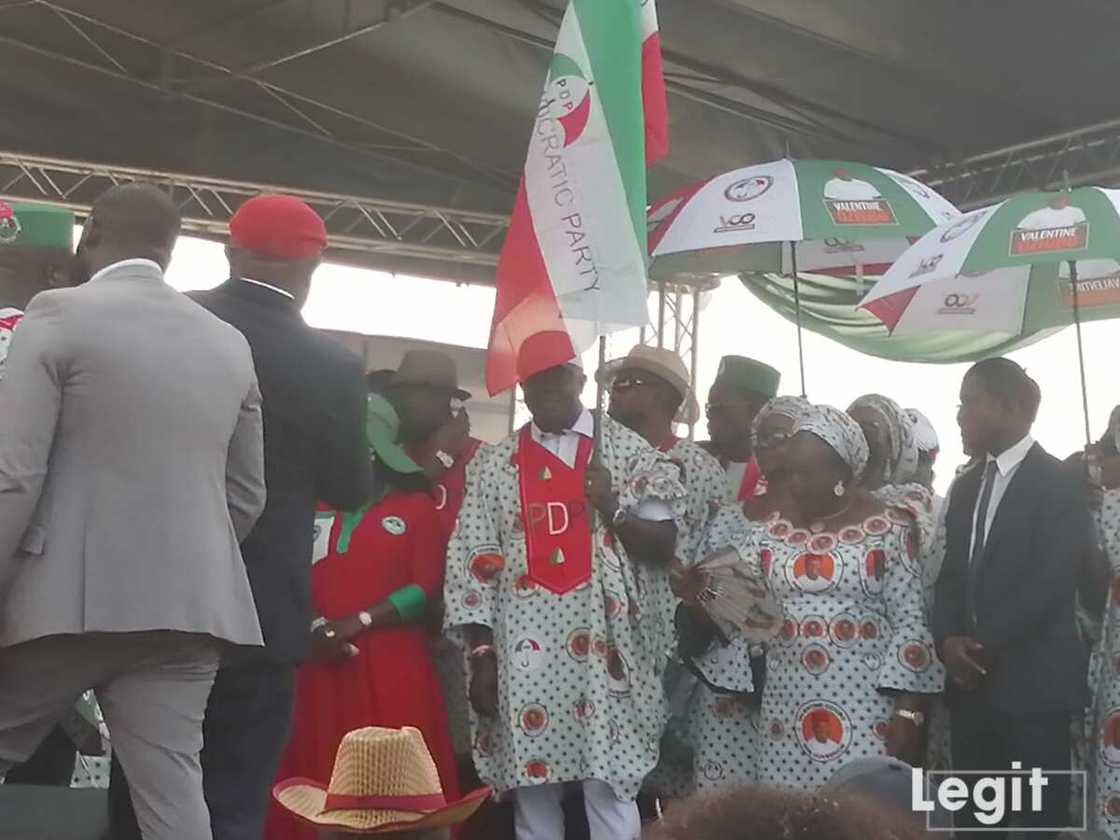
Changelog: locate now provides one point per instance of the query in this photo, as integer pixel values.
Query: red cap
(278, 226)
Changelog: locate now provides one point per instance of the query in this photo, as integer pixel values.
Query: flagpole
(600, 393)
(1080, 349)
(797, 306)
(597, 414)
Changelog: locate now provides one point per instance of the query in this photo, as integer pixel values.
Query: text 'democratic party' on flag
(573, 265)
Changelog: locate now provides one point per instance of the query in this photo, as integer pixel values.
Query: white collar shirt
(1007, 464)
(135, 262)
(565, 446)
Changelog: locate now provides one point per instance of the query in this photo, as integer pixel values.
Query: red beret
(278, 226)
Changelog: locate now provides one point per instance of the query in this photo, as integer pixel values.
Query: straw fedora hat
(664, 364)
(384, 780)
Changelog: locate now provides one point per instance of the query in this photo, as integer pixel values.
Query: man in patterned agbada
(547, 575)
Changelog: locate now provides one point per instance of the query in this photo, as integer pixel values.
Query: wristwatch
(365, 619)
(619, 517)
(916, 718)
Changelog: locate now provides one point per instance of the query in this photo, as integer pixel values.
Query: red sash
(749, 484)
(554, 510)
(448, 493)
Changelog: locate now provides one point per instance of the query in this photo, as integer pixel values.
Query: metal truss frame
(1082, 156)
(679, 307)
(196, 80)
(354, 223)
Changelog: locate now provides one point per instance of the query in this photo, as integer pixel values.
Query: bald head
(131, 221)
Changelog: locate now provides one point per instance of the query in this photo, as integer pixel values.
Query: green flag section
(830, 307)
(573, 266)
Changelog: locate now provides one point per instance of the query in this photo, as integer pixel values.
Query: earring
(839, 489)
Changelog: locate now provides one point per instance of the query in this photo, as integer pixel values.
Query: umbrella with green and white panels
(840, 215)
(1007, 268)
(1034, 262)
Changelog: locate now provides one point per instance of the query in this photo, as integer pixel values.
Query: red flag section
(653, 87)
(525, 306)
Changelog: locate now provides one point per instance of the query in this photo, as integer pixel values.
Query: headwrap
(902, 458)
(925, 436)
(791, 407)
(840, 432)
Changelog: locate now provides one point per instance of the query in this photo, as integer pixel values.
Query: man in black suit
(1018, 534)
(314, 396)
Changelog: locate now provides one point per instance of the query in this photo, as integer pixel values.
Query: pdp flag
(573, 264)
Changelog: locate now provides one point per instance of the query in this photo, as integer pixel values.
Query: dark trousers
(987, 739)
(51, 764)
(248, 720)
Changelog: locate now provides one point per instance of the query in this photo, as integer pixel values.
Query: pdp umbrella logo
(851, 201)
(1059, 226)
(9, 224)
(927, 266)
(748, 189)
(567, 98)
(960, 228)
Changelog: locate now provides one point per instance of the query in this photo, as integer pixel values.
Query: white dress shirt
(136, 261)
(1007, 464)
(565, 446)
(269, 286)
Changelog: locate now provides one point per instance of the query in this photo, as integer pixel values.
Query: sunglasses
(623, 383)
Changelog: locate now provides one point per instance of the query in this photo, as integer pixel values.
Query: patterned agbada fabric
(579, 693)
(706, 487)
(723, 723)
(855, 625)
(1104, 680)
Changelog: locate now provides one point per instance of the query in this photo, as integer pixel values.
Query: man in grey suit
(131, 465)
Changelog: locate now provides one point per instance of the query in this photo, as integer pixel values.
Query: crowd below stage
(308, 600)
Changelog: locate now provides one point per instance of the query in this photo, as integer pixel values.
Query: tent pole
(1080, 348)
(797, 305)
(661, 313)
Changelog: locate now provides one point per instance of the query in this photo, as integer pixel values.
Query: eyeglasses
(774, 438)
(623, 383)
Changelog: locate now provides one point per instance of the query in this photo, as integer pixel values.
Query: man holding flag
(547, 577)
(555, 547)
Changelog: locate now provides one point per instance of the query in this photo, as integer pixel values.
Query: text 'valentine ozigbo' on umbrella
(786, 216)
(1035, 262)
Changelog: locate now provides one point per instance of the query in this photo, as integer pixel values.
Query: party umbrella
(1037, 261)
(788, 216)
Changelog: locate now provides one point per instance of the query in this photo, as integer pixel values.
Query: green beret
(741, 372)
(25, 225)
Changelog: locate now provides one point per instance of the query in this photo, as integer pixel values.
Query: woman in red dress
(371, 665)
